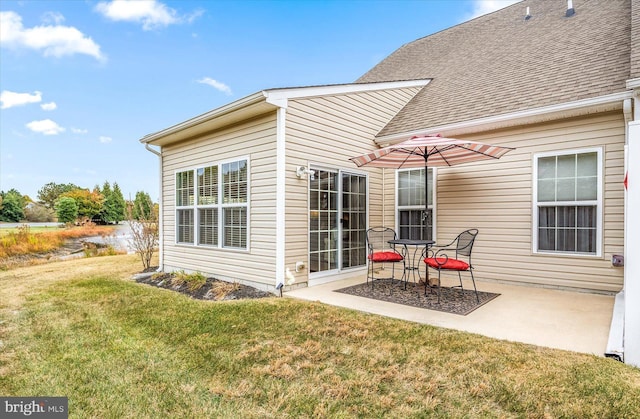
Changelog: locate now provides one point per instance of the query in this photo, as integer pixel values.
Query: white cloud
(11, 99)
(52, 40)
(105, 140)
(45, 127)
(53, 17)
(79, 130)
(193, 16)
(482, 7)
(150, 13)
(49, 106)
(215, 84)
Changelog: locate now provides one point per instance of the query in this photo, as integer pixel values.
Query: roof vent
(570, 10)
(528, 15)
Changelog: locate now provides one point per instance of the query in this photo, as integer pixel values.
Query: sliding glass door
(337, 220)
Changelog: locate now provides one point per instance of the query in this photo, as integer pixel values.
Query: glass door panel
(323, 221)
(353, 220)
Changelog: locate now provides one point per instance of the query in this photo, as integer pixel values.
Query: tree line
(69, 203)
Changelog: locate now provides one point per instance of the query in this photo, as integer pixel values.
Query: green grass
(82, 329)
(9, 230)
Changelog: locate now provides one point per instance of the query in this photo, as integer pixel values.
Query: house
(261, 191)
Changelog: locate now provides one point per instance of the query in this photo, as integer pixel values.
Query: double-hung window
(207, 205)
(568, 202)
(212, 205)
(413, 222)
(185, 200)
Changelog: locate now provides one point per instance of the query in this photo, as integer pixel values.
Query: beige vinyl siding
(496, 197)
(326, 131)
(256, 140)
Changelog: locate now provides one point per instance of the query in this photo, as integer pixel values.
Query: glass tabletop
(412, 242)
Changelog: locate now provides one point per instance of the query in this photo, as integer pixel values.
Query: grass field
(4, 231)
(115, 348)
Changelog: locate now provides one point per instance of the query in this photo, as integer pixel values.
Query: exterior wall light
(303, 171)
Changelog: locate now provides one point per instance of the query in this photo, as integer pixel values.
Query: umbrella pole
(424, 220)
(426, 189)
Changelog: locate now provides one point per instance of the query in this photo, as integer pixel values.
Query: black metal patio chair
(380, 251)
(455, 256)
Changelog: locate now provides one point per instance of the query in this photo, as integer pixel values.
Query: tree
(119, 205)
(105, 213)
(12, 206)
(144, 227)
(89, 203)
(113, 207)
(142, 206)
(49, 193)
(38, 213)
(67, 209)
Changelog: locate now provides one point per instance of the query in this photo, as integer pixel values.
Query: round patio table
(412, 258)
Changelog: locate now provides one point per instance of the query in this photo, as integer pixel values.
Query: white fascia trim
(279, 97)
(492, 122)
(633, 83)
(280, 195)
(230, 107)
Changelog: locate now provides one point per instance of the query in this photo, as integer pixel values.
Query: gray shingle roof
(501, 63)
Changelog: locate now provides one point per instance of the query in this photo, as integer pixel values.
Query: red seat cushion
(387, 256)
(453, 264)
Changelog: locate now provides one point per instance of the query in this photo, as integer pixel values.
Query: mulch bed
(213, 289)
(452, 300)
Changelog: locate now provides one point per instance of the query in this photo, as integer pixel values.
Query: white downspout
(280, 194)
(616, 342)
(160, 208)
(632, 241)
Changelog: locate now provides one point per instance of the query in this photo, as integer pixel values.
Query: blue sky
(82, 81)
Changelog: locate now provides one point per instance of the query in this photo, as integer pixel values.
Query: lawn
(9, 230)
(83, 329)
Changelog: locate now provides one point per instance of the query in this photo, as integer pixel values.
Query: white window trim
(416, 207)
(220, 206)
(598, 202)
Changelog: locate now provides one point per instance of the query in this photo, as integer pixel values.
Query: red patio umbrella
(434, 151)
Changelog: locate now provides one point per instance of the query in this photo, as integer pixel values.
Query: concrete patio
(569, 320)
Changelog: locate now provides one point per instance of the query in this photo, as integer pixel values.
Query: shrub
(144, 230)
(193, 281)
(221, 289)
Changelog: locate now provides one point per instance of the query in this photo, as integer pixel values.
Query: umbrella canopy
(434, 151)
